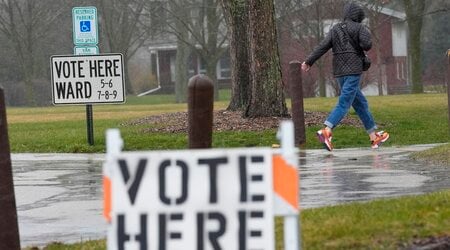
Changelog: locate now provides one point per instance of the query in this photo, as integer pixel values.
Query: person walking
(348, 41)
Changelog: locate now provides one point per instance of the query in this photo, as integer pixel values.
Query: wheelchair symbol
(85, 26)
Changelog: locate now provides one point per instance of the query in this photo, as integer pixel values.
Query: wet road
(59, 195)
(360, 175)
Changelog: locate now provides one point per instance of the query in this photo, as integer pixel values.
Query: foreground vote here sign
(196, 199)
(88, 79)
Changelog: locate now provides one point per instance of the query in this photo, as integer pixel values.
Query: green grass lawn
(410, 119)
(437, 155)
(379, 224)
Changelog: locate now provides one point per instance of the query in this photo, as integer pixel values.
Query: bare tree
(267, 97)
(125, 32)
(236, 16)
(307, 24)
(199, 25)
(414, 14)
(179, 16)
(435, 40)
(376, 20)
(26, 24)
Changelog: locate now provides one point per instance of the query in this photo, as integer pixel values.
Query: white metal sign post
(85, 37)
(87, 79)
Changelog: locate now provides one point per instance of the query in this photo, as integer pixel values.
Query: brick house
(390, 66)
(392, 70)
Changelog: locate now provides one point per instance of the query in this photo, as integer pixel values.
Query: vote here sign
(87, 79)
(196, 199)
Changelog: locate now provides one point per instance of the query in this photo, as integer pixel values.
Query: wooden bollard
(200, 111)
(9, 230)
(296, 92)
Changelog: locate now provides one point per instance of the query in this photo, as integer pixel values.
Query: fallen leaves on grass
(224, 120)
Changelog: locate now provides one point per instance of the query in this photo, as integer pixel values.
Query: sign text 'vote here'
(87, 79)
(192, 200)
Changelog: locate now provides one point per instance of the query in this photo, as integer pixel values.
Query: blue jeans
(351, 96)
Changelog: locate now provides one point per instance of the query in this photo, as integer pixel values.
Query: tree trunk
(183, 51)
(379, 68)
(267, 97)
(122, 25)
(214, 53)
(414, 14)
(181, 72)
(322, 84)
(211, 72)
(375, 19)
(236, 16)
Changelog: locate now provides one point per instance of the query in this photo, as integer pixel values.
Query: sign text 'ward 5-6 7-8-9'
(88, 79)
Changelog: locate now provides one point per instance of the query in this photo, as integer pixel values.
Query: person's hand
(305, 67)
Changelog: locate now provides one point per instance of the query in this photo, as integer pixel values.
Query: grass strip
(380, 224)
(439, 155)
(410, 119)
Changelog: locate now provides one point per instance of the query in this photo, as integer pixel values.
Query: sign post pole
(87, 80)
(90, 124)
(291, 222)
(85, 28)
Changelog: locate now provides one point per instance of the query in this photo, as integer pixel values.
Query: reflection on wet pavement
(359, 175)
(59, 195)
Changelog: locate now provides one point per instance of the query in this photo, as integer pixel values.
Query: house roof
(166, 46)
(173, 46)
(393, 13)
(388, 10)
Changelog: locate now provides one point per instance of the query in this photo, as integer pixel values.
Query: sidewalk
(59, 196)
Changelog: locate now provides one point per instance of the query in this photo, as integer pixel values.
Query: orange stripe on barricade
(285, 181)
(107, 198)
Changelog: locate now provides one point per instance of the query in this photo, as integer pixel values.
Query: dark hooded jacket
(347, 60)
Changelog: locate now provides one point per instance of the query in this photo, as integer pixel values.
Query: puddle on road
(59, 196)
(343, 176)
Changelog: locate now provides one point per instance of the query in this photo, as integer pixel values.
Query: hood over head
(354, 12)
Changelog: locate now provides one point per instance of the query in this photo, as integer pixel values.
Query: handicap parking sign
(85, 26)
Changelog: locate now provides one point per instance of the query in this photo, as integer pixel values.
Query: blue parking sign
(85, 26)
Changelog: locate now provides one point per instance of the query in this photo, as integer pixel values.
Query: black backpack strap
(350, 39)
